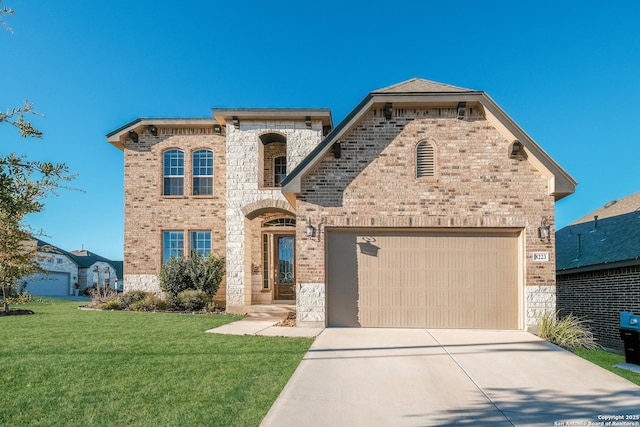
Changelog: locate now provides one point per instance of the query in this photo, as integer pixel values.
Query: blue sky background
(566, 72)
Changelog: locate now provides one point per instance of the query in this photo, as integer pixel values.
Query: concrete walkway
(417, 377)
(262, 319)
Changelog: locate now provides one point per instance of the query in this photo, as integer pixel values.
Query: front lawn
(607, 360)
(68, 367)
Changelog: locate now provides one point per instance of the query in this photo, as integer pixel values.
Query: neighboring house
(62, 270)
(422, 208)
(95, 270)
(598, 267)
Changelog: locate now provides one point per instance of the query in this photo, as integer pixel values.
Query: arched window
(173, 171)
(280, 222)
(279, 170)
(272, 145)
(425, 160)
(202, 173)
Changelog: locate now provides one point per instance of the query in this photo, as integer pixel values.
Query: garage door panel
(51, 284)
(427, 279)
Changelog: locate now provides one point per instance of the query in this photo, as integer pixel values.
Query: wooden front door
(284, 267)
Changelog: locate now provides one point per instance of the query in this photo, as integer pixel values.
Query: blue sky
(566, 72)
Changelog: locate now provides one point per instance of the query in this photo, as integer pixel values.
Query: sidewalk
(262, 320)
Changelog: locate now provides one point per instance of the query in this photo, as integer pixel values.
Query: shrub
(113, 304)
(148, 303)
(568, 332)
(195, 273)
(129, 298)
(193, 300)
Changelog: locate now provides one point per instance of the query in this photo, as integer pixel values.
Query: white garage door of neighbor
(49, 284)
(423, 279)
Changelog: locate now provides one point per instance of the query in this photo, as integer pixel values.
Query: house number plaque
(541, 256)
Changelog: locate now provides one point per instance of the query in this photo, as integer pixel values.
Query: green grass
(68, 367)
(607, 360)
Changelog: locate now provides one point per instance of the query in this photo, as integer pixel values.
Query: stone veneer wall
(600, 296)
(477, 185)
(148, 212)
(243, 190)
(57, 263)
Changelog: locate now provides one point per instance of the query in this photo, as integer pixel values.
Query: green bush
(193, 300)
(113, 304)
(193, 273)
(568, 332)
(149, 303)
(131, 297)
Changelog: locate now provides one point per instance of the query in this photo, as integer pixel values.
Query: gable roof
(420, 92)
(86, 259)
(599, 243)
(52, 249)
(416, 85)
(613, 208)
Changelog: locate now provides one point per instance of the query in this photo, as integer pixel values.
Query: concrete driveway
(418, 377)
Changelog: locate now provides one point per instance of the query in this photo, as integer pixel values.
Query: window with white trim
(425, 160)
(203, 173)
(173, 172)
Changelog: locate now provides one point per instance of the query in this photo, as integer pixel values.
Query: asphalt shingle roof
(615, 239)
(416, 85)
(613, 208)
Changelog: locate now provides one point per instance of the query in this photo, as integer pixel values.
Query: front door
(285, 277)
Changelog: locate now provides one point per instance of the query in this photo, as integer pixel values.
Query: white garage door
(423, 279)
(49, 284)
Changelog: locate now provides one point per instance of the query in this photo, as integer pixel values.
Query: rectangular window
(265, 261)
(172, 245)
(279, 170)
(201, 242)
(203, 173)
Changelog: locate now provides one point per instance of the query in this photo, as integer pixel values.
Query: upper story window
(272, 159)
(279, 170)
(203, 173)
(425, 160)
(172, 245)
(173, 171)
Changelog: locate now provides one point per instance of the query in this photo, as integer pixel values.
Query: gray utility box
(630, 334)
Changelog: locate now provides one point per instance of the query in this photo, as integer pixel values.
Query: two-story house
(427, 206)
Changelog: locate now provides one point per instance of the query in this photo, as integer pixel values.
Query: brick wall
(477, 185)
(600, 296)
(148, 212)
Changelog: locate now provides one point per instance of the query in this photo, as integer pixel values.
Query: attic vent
(611, 203)
(425, 160)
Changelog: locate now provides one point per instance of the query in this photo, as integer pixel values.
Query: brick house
(422, 208)
(598, 267)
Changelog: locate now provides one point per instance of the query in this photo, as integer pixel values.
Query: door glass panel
(285, 258)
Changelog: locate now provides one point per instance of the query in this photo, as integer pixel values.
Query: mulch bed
(15, 312)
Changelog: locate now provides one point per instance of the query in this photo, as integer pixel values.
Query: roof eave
(600, 266)
(560, 184)
(222, 115)
(120, 135)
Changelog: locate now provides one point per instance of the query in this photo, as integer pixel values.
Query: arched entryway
(270, 232)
